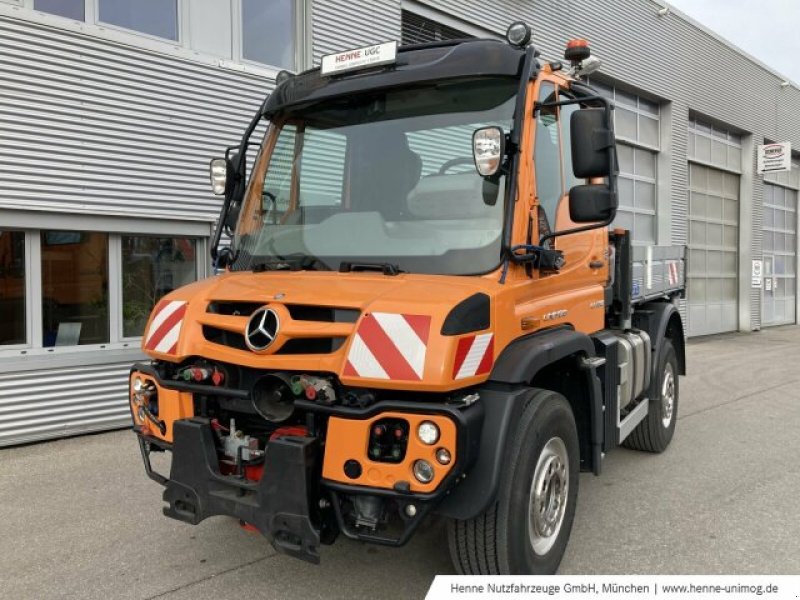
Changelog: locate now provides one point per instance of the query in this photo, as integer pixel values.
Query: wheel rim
(548, 496)
(667, 396)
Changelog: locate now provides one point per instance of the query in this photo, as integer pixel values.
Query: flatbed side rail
(658, 272)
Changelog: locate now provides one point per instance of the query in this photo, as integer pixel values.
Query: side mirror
(592, 203)
(488, 149)
(592, 143)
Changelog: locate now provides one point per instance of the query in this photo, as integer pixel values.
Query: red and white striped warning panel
(166, 327)
(474, 356)
(389, 346)
(673, 273)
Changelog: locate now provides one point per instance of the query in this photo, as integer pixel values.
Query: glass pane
(322, 166)
(645, 195)
(644, 229)
(268, 32)
(151, 268)
(547, 158)
(566, 148)
(154, 17)
(625, 123)
(625, 98)
(648, 131)
(72, 9)
(625, 192)
(74, 288)
(702, 148)
(625, 158)
(719, 153)
(645, 163)
(12, 287)
(648, 107)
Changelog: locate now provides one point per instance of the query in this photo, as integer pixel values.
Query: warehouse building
(111, 109)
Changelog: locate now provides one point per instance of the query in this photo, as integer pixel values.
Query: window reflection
(74, 288)
(151, 268)
(12, 287)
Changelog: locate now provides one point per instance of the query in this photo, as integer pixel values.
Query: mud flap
(277, 505)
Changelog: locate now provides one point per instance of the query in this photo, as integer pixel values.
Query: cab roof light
(519, 34)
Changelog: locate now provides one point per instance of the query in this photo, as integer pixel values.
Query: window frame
(179, 39)
(28, 287)
(119, 326)
(300, 28)
(181, 47)
(33, 302)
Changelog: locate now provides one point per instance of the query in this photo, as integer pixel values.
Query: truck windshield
(379, 178)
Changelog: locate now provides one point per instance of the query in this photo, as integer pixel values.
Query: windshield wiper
(290, 262)
(384, 267)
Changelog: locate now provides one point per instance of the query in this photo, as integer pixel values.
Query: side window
(547, 157)
(567, 111)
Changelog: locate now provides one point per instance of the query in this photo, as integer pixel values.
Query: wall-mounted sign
(774, 157)
(758, 273)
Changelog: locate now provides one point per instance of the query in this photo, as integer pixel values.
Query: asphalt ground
(80, 519)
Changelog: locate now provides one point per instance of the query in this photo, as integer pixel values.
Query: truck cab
(421, 310)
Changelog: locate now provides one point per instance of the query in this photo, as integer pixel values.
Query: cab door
(554, 178)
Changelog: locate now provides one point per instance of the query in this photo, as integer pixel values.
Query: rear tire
(525, 531)
(655, 432)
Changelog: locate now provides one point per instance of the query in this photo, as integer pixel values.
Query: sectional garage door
(713, 250)
(779, 245)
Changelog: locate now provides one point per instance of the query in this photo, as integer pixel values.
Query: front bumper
(278, 505)
(293, 504)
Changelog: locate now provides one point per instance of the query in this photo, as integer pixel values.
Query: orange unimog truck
(422, 311)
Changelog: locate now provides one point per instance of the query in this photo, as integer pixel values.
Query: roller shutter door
(779, 245)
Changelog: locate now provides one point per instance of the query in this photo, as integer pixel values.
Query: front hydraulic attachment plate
(277, 505)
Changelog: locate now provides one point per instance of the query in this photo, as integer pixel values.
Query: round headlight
(518, 34)
(138, 384)
(443, 456)
(423, 471)
(428, 433)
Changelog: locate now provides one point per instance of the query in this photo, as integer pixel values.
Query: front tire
(655, 431)
(525, 531)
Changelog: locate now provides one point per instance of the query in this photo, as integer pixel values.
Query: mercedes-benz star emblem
(262, 328)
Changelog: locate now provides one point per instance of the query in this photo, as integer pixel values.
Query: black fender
(504, 397)
(661, 319)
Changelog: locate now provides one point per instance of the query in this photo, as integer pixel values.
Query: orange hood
(369, 329)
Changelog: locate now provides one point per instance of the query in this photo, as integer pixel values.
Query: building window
(69, 288)
(158, 18)
(72, 9)
(268, 32)
(151, 268)
(74, 288)
(12, 288)
(416, 29)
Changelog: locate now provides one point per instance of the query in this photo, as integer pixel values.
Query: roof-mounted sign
(773, 158)
(359, 58)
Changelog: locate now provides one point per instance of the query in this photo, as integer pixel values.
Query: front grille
(298, 312)
(215, 335)
(325, 314)
(324, 345)
(224, 307)
(315, 345)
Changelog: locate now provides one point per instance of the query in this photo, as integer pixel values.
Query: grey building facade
(111, 109)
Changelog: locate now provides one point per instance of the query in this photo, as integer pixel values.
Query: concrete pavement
(81, 519)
